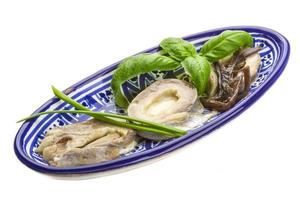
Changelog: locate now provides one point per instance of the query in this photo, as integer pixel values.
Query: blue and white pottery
(95, 93)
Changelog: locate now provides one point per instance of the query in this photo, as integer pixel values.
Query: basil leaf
(198, 68)
(225, 44)
(134, 66)
(178, 48)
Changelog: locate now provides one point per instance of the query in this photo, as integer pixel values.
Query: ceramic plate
(95, 93)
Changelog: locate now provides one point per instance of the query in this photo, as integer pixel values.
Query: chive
(67, 99)
(99, 116)
(128, 122)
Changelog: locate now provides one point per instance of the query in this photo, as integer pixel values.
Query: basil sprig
(176, 52)
(197, 67)
(225, 44)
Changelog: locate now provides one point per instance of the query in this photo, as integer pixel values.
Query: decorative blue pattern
(95, 93)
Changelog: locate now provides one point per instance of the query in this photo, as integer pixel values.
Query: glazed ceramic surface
(95, 93)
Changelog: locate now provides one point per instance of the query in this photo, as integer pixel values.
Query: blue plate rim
(174, 144)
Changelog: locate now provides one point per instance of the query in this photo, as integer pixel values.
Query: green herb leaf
(136, 65)
(178, 48)
(225, 44)
(198, 69)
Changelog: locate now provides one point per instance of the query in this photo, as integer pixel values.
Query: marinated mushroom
(166, 101)
(234, 79)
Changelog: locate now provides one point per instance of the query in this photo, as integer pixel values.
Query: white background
(256, 156)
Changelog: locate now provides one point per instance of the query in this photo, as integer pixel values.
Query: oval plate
(95, 93)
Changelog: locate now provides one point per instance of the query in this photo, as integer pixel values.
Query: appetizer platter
(153, 102)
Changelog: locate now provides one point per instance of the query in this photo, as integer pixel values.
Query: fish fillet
(85, 143)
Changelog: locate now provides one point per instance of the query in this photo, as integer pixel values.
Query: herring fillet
(85, 143)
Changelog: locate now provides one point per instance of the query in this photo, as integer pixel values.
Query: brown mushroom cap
(234, 79)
